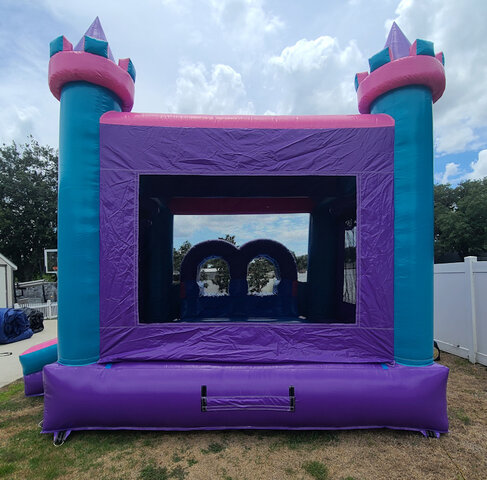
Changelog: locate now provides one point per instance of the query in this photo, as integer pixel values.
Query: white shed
(6, 282)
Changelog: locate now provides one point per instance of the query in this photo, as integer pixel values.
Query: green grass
(11, 391)
(462, 416)
(309, 439)
(317, 470)
(298, 440)
(6, 469)
(33, 454)
(463, 365)
(213, 448)
(11, 399)
(178, 473)
(151, 472)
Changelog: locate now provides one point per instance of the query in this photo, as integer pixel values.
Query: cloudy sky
(251, 57)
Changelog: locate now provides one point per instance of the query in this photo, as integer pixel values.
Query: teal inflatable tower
(404, 81)
(88, 83)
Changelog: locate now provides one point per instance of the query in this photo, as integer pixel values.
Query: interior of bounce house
(139, 350)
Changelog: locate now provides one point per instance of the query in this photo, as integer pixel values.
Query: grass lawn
(254, 455)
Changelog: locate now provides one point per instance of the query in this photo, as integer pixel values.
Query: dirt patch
(250, 455)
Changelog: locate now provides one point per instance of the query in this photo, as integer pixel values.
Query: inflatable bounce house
(137, 350)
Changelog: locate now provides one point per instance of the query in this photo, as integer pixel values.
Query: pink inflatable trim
(67, 45)
(417, 70)
(72, 66)
(123, 63)
(42, 345)
(248, 121)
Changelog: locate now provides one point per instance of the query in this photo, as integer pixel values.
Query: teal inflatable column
(411, 107)
(88, 84)
(405, 88)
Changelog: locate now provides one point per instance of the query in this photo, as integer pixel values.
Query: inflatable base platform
(185, 396)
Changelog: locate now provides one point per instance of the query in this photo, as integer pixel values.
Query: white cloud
(479, 167)
(220, 91)
(316, 76)
(17, 123)
(456, 28)
(306, 55)
(453, 173)
(451, 170)
(246, 20)
(291, 230)
(452, 137)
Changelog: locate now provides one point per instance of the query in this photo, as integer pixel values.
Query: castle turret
(404, 81)
(88, 83)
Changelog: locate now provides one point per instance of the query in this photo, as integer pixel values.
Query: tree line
(28, 214)
(28, 205)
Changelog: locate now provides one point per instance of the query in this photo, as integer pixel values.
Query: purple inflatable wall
(133, 145)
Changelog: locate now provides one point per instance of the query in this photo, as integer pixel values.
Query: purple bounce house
(137, 350)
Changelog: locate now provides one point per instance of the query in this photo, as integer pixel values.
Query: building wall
(6, 285)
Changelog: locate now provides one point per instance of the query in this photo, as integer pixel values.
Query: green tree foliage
(461, 218)
(229, 238)
(203, 275)
(258, 274)
(28, 205)
(179, 254)
(301, 263)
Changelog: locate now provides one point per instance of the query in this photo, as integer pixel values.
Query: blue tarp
(14, 325)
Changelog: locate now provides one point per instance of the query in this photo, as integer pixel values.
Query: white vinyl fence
(461, 309)
(49, 309)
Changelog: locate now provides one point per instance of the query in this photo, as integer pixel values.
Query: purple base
(167, 396)
(33, 385)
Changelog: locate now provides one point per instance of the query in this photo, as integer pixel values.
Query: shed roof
(7, 261)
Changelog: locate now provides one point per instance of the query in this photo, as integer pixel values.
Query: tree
(28, 205)
(302, 263)
(203, 276)
(461, 218)
(258, 274)
(179, 254)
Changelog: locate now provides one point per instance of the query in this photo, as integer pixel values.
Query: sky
(251, 57)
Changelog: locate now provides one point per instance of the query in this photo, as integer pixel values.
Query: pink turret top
(400, 64)
(91, 61)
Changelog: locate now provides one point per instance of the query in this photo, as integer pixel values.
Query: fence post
(471, 313)
(49, 311)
